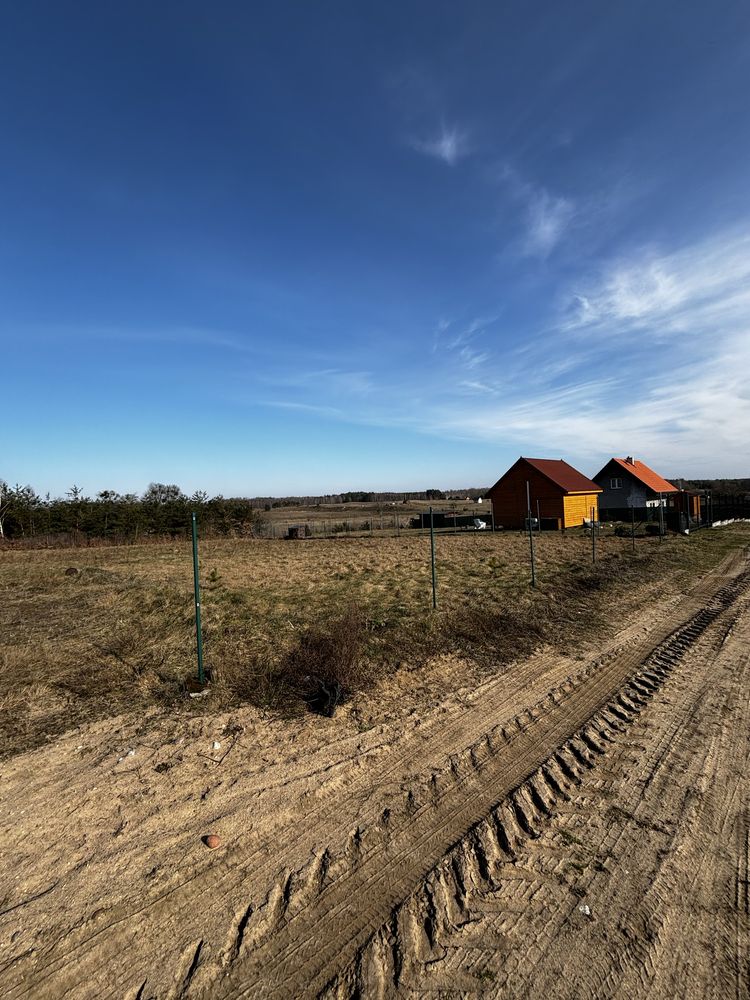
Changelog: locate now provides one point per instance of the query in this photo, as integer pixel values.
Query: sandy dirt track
(567, 829)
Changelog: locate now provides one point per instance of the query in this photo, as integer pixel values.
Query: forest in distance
(162, 510)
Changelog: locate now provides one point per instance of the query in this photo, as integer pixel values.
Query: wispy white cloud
(698, 288)
(546, 216)
(693, 420)
(471, 358)
(320, 410)
(324, 381)
(547, 219)
(450, 144)
(649, 357)
(474, 386)
(458, 341)
(676, 391)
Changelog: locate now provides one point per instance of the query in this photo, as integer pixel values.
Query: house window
(615, 484)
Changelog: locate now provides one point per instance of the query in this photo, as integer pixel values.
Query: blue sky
(299, 248)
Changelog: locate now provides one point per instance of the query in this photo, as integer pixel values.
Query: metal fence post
(661, 519)
(531, 533)
(197, 594)
(432, 559)
(593, 536)
(632, 526)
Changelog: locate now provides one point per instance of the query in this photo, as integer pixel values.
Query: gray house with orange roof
(626, 482)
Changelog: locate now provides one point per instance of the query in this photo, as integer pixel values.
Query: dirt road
(570, 829)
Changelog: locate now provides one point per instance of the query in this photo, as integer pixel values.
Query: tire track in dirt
(312, 943)
(497, 892)
(675, 930)
(306, 920)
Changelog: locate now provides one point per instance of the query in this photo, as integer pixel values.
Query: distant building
(626, 482)
(561, 495)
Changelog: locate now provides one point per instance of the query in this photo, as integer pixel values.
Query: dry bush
(497, 634)
(326, 665)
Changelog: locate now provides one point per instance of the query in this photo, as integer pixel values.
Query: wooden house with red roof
(560, 495)
(626, 482)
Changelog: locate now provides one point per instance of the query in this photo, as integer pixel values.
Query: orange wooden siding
(577, 507)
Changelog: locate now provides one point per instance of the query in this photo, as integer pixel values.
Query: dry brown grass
(118, 635)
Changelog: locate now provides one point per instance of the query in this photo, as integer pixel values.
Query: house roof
(569, 480)
(647, 476)
(564, 475)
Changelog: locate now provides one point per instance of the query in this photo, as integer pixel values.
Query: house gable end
(506, 474)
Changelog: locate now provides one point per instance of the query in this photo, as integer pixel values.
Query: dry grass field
(118, 633)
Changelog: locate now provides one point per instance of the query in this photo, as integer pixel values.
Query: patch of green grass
(485, 975)
(569, 838)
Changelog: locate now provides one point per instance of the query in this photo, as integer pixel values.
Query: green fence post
(432, 558)
(661, 520)
(197, 592)
(531, 534)
(593, 535)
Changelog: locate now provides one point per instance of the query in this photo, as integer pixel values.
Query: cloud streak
(676, 389)
(546, 216)
(697, 288)
(450, 145)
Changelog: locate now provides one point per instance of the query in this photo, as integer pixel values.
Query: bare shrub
(486, 630)
(327, 665)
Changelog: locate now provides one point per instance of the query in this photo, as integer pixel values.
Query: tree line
(162, 511)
